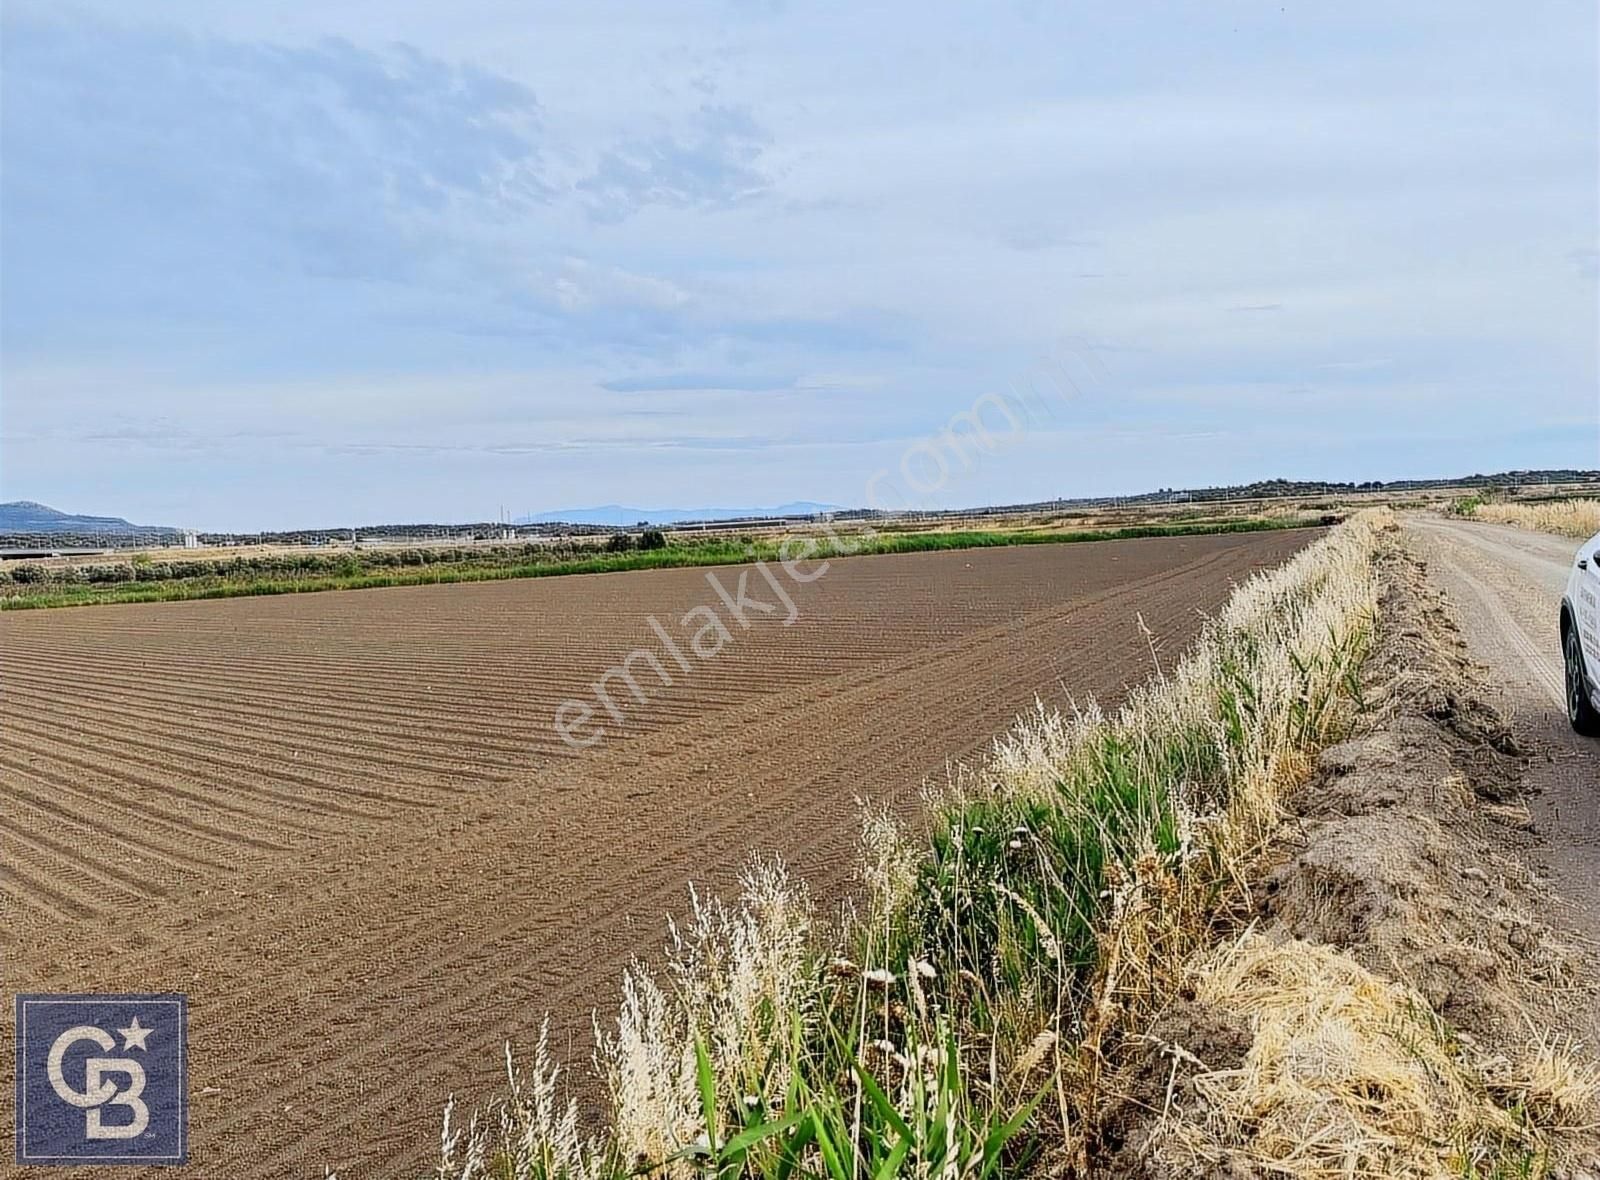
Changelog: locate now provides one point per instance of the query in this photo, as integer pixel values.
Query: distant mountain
(25, 516)
(617, 514)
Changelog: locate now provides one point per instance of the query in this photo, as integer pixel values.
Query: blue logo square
(102, 1079)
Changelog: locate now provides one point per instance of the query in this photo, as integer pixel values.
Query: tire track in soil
(334, 761)
(117, 803)
(721, 729)
(957, 679)
(53, 813)
(1165, 574)
(400, 955)
(828, 850)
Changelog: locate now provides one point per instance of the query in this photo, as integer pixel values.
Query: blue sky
(294, 263)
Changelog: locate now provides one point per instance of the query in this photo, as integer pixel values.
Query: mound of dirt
(1410, 841)
(1406, 850)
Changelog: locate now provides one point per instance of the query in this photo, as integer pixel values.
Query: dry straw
(1568, 518)
(1347, 1075)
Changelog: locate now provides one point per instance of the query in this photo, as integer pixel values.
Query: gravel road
(1506, 586)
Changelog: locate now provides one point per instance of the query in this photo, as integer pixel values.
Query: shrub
(652, 539)
(29, 573)
(619, 543)
(108, 573)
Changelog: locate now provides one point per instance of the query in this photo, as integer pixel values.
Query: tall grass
(958, 1022)
(1567, 518)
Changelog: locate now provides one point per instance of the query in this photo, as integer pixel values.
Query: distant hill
(25, 516)
(617, 514)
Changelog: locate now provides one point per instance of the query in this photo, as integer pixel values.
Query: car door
(1586, 602)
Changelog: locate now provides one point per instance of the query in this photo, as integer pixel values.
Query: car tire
(1580, 709)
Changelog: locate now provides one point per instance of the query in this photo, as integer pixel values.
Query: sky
(308, 264)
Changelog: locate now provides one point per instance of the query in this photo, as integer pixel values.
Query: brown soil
(1409, 849)
(344, 825)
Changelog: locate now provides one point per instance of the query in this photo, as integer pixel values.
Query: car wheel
(1580, 710)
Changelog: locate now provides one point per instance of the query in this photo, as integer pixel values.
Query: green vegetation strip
(711, 553)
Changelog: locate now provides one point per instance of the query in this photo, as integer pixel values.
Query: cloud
(1359, 366)
(583, 286)
(497, 253)
(710, 164)
(664, 382)
(333, 158)
(300, 192)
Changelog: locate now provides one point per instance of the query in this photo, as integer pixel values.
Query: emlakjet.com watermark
(758, 593)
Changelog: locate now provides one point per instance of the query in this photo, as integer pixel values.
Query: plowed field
(344, 823)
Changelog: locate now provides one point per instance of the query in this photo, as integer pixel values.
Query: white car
(1580, 639)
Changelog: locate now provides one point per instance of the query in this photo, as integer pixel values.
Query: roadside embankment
(1397, 1006)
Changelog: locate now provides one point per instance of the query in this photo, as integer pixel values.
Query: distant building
(191, 539)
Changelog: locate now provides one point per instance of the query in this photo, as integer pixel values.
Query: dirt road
(343, 825)
(1506, 585)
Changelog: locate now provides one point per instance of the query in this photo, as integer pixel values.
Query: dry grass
(533, 1132)
(740, 985)
(1551, 1082)
(1347, 1075)
(1567, 518)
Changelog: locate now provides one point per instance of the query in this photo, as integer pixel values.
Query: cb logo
(102, 1079)
(97, 1091)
